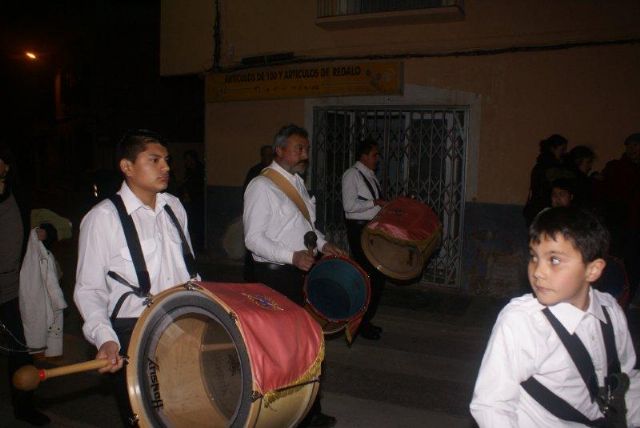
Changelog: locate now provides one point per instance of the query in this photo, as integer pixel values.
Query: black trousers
(22, 401)
(354, 232)
(287, 280)
(123, 328)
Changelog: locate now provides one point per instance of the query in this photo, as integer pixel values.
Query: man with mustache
(275, 229)
(132, 245)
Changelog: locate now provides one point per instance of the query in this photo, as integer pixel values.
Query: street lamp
(31, 56)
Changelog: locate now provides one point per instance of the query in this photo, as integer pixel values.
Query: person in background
(361, 200)
(579, 161)
(12, 233)
(266, 157)
(549, 167)
(619, 201)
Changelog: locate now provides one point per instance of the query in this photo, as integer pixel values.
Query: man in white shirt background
(106, 278)
(361, 200)
(274, 230)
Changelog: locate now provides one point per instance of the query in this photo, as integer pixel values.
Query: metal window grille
(422, 154)
(328, 8)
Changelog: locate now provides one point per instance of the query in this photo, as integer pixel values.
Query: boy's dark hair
(135, 141)
(365, 147)
(577, 225)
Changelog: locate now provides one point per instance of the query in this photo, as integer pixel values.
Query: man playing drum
(362, 199)
(131, 246)
(275, 228)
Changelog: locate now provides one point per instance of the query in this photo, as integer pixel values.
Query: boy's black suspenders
(580, 357)
(140, 266)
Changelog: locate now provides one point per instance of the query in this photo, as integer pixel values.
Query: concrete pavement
(420, 374)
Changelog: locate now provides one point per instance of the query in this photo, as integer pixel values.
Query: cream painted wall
(186, 36)
(235, 131)
(256, 27)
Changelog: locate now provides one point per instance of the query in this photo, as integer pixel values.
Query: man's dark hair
(580, 226)
(280, 140)
(579, 153)
(365, 146)
(552, 142)
(135, 141)
(633, 138)
(562, 183)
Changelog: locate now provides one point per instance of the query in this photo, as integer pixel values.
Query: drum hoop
(362, 272)
(142, 325)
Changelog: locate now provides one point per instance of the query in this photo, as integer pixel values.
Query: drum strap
(139, 264)
(288, 189)
(368, 183)
(580, 357)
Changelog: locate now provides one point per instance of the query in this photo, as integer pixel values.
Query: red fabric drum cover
(401, 237)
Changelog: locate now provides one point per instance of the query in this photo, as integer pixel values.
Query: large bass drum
(220, 355)
(401, 238)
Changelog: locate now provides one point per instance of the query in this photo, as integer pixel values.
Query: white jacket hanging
(41, 298)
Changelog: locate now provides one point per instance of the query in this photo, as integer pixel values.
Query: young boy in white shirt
(551, 359)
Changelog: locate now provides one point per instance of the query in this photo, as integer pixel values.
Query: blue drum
(337, 293)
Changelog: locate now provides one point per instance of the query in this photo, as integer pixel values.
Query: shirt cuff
(105, 334)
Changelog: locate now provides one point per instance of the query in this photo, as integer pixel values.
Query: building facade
(458, 94)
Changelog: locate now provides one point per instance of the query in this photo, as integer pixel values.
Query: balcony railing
(342, 13)
(327, 8)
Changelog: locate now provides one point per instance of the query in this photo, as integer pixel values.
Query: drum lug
(233, 317)
(148, 301)
(191, 285)
(255, 395)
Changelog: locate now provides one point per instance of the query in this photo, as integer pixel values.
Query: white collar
(291, 177)
(571, 316)
(362, 167)
(132, 202)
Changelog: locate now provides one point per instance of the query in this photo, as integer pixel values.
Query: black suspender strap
(557, 406)
(369, 186)
(133, 242)
(189, 260)
(578, 353)
(139, 264)
(613, 362)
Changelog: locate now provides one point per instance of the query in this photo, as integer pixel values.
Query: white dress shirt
(523, 344)
(274, 227)
(357, 199)
(102, 247)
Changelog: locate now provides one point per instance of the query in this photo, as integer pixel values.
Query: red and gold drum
(401, 238)
(219, 355)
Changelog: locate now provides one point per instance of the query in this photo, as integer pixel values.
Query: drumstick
(27, 378)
